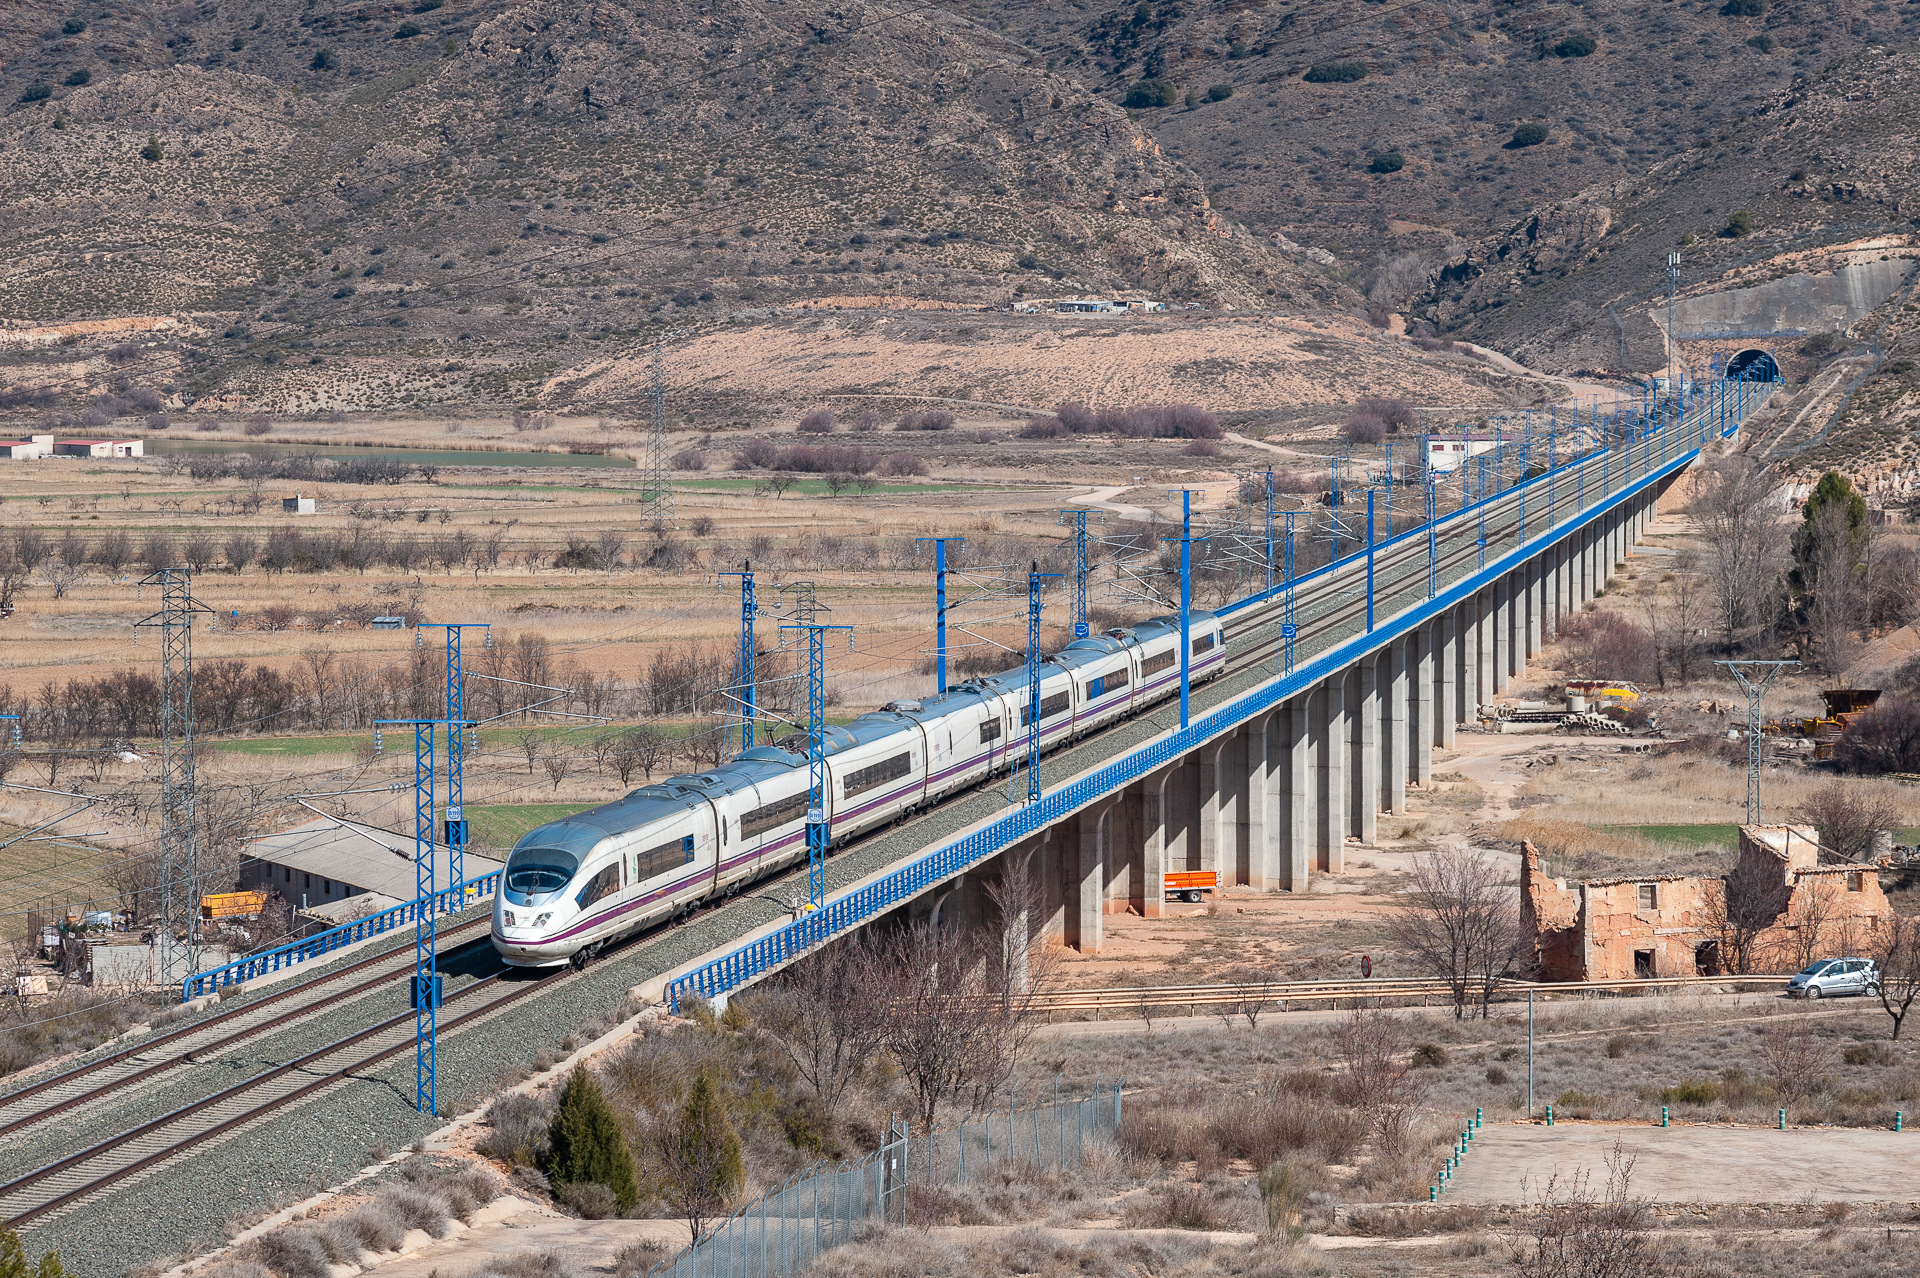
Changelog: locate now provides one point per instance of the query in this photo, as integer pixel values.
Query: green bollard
(1896, 1120)
(1663, 1116)
(1783, 1120)
(1549, 1115)
(1433, 1193)
(1479, 1117)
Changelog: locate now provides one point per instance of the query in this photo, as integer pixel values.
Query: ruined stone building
(1776, 911)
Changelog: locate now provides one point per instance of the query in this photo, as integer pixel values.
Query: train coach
(574, 885)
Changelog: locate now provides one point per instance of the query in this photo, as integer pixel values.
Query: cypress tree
(701, 1154)
(586, 1143)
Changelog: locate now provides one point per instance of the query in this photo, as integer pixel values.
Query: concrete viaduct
(1283, 762)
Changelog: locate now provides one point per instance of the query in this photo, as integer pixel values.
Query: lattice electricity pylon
(743, 663)
(940, 605)
(455, 710)
(818, 830)
(1078, 519)
(179, 840)
(1755, 691)
(1186, 598)
(804, 606)
(1034, 603)
(656, 481)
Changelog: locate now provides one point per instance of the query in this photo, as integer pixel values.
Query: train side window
(876, 775)
(773, 815)
(665, 857)
(603, 884)
(989, 731)
(1203, 644)
(1154, 665)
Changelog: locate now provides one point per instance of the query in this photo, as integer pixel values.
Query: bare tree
(822, 1015)
(644, 747)
(558, 766)
(1898, 961)
(1796, 1060)
(1739, 519)
(1375, 1078)
(1750, 897)
(198, 549)
(1808, 912)
(1848, 816)
(957, 1014)
(608, 545)
(530, 742)
(1460, 923)
(62, 577)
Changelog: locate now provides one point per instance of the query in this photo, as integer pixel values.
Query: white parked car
(1832, 978)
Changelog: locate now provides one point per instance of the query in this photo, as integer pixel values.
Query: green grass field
(1726, 837)
(502, 825)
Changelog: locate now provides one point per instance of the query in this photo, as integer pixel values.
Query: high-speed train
(571, 886)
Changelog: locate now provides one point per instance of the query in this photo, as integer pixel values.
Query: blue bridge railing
(1661, 453)
(446, 901)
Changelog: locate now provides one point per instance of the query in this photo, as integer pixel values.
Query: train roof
(581, 831)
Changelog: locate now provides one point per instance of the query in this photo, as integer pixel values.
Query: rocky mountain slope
(1818, 175)
(436, 179)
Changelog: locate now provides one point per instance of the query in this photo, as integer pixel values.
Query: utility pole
(1078, 519)
(1288, 630)
(1186, 598)
(1755, 690)
(179, 842)
(818, 831)
(1673, 285)
(940, 605)
(1034, 578)
(457, 725)
(656, 482)
(743, 664)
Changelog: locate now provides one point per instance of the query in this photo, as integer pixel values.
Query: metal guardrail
(1659, 453)
(446, 901)
(1254, 994)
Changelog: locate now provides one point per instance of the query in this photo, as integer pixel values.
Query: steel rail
(147, 1044)
(336, 1074)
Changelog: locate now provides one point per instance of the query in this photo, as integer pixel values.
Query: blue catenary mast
(743, 662)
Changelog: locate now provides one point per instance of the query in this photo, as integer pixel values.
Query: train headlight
(506, 916)
(543, 920)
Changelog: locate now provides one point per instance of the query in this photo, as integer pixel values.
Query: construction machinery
(1843, 706)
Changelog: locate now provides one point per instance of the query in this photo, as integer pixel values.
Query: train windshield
(535, 873)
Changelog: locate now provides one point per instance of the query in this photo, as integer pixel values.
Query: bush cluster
(1142, 421)
(925, 419)
(1343, 72)
(805, 459)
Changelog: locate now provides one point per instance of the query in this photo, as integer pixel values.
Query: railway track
(66, 1182)
(156, 1054)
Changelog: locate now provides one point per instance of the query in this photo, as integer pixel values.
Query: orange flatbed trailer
(1187, 885)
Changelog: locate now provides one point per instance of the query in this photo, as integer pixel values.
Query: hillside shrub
(1762, 42)
(1345, 72)
(1044, 427)
(1149, 93)
(325, 60)
(80, 77)
(37, 93)
(817, 422)
(1219, 92)
(1823, 344)
(1387, 162)
(1526, 135)
(1739, 224)
(903, 463)
(1076, 417)
(1201, 448)
(688, 459)
(1362, 428)
(925, 419)
(1161, 421)
(406, 31)
(1396, 413)
(1575, 46)
(1743, 8)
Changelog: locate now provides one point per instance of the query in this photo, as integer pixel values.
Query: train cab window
(658, 860)
(1203, 644)
(1154, 665)
(603, 884)
(989, 731)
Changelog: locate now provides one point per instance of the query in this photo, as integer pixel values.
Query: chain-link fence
(788, 1228)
